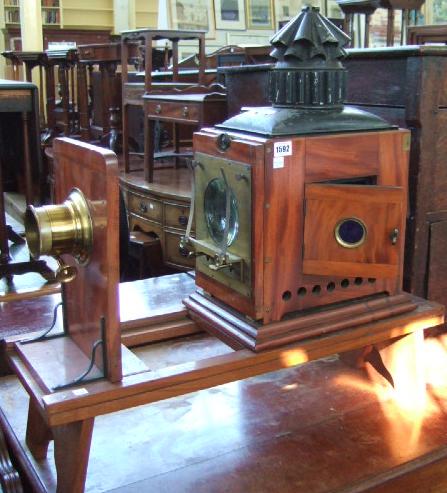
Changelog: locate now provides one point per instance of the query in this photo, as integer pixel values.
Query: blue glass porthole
(350, 232)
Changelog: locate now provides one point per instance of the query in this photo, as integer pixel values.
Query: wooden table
(107, 100)
(194, 108)
(145, 38)
(21, 98)
(67, 416)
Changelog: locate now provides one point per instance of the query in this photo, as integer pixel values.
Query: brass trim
(231, 266)
(340, 240)
(58, 229)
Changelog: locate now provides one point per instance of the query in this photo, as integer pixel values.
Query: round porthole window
(350, 232)
(215, 199)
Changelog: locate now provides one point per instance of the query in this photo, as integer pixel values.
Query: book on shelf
(12, 16)
(50, 17)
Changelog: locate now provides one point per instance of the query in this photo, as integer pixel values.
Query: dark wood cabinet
(406, 86)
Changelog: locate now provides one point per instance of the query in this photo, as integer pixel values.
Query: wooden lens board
(93, 295)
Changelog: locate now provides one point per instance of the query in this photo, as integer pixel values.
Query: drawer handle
(143, 207)
(158, 109)
(183, 220)
(185, 111)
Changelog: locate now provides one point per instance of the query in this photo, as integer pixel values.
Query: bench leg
(71, 453)
(404, 358)
(38, 434)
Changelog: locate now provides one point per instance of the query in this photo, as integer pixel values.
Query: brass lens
(58, 229)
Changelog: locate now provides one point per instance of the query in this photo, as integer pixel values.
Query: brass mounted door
(353, 230)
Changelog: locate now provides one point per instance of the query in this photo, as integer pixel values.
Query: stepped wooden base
(238, 333)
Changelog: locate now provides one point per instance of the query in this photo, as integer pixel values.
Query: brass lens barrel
(58, 229)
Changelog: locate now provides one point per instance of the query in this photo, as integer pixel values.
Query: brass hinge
(406, 142)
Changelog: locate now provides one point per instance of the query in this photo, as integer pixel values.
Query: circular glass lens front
(215, 201)
(350, 233)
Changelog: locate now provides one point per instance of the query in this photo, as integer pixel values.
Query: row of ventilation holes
(316, 290)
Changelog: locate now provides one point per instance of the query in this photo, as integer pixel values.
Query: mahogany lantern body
(300, 207)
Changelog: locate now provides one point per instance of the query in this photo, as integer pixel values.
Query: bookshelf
(12, 12)
(81, 14)
(88, 14)
(51, 12)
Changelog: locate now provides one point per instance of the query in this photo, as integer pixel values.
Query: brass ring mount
(350, 232)
(58, 229)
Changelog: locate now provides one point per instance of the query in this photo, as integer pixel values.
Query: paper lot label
(282, 148)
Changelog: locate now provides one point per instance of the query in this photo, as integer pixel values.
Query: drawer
(139, 224)
(181, 112)
(171, 251)
(110, 52)
(133, 93)
(146, 207)
(176, 215)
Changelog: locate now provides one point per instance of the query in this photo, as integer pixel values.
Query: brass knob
(143, 207)
(185, 111)
(183, 220)
(394, 236)
(58, 229)
(158, 109)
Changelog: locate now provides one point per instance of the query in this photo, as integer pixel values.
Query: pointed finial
(309, 39)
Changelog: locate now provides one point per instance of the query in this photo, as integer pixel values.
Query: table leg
(27, 156)
(390, 28)
(84, 122)
(38, 434)
(404, 358)
(176, 132)
(125, 130)
(149, 129)
(71, 453)
(4, 246)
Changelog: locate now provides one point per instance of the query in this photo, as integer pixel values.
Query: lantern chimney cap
(309, 39)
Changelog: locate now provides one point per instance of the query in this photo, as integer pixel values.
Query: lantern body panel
(321, 219)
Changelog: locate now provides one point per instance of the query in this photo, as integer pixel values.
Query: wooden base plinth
(238, 333)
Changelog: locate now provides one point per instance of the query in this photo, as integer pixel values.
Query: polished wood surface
(410, 92)
(376, 258)
(71, 413)
(94, 171)
(285, 279)
(161, 209)
(420, 35)
(359, 436)
(104, 397)
(150, 310)
(239, 333)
